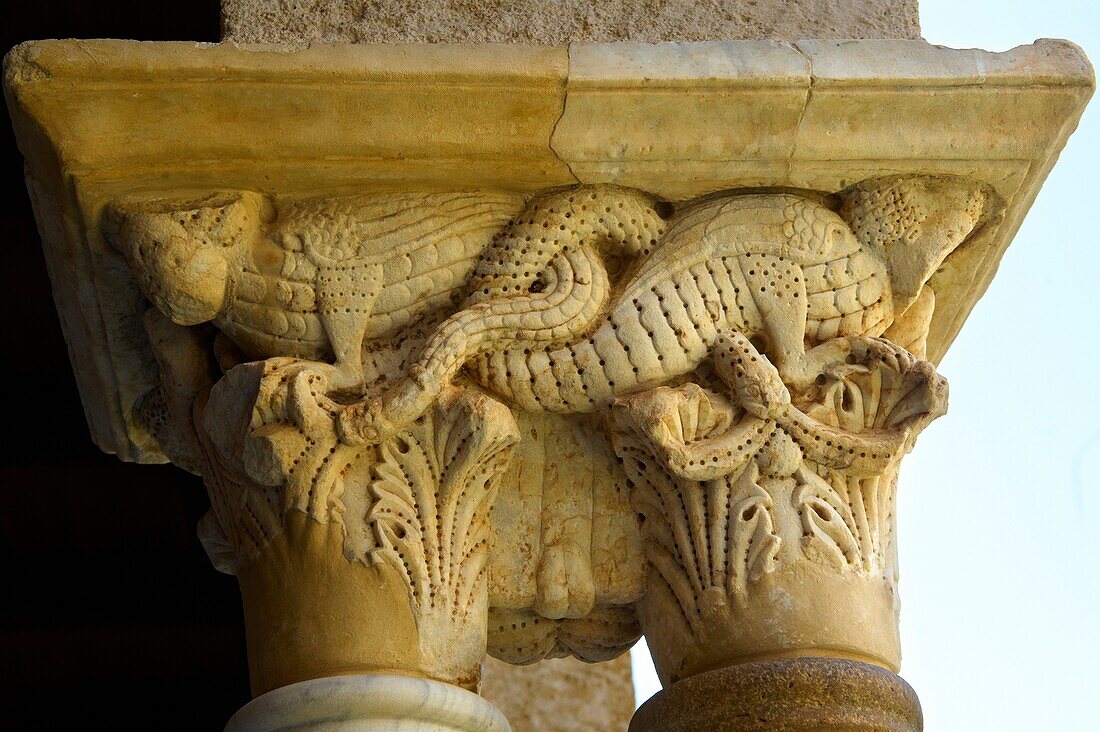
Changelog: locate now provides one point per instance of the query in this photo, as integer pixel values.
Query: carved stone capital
(512, 350)
(769, 522)
(370, 559)
(760, 475)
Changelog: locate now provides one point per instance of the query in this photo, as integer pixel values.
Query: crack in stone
(561, 115)
(802, 113)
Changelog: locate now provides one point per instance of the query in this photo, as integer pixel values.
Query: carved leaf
(432, 489)
(847, 519)
(706, 539)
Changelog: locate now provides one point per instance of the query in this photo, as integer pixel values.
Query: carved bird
(315, 278)
(318, 278)
(779, 268)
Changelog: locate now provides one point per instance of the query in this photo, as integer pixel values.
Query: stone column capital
(529, 350)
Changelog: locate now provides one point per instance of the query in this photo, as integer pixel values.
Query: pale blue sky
(999, 506)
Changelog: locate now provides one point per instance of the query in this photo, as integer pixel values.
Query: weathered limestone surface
(551, 23)
(562, 694)
(434, 116)
(509, 350)
(562, 21)
(798, 694)
(531, 695)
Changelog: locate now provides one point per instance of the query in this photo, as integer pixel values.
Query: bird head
(181, 252)
(913, 222)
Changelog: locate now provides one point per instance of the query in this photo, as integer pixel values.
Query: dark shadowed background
(111, 616)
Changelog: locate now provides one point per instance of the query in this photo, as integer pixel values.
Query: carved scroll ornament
(375, 350)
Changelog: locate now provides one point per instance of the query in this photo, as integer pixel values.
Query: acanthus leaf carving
(708, 533)
(848, 515)
(416, 506)
(418, 503)
(738, 496)
(432, 491)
